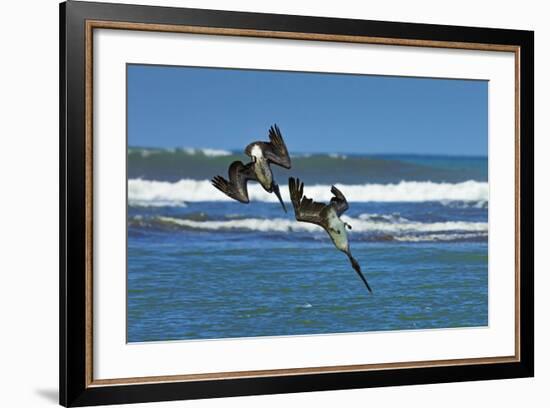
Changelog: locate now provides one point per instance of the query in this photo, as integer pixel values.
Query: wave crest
(191, 151)
(152, 192)
(358, 224)
(363, 229)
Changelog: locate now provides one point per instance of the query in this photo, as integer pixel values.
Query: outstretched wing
(305, 209)
(339, 202)
(239, 174)
(275, 151)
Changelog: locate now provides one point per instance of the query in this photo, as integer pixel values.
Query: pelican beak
(278, 194)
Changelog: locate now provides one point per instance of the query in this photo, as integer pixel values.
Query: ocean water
(201, 266)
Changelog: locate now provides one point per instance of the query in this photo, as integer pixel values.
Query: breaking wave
(165, 193)
(360, 224)
(367, 226)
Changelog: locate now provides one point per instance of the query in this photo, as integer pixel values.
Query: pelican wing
(305, 209)
(339, 202)
(275, 151)
(236, 186)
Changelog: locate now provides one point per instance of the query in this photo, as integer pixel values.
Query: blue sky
(227, 109)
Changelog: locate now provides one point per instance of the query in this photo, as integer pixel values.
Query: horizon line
(240, 150)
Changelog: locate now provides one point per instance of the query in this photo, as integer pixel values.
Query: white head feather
(256, 152)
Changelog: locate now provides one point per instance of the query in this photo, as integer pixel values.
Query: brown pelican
(262, 154)
(325, 215)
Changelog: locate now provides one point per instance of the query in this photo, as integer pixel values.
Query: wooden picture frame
(78, 20)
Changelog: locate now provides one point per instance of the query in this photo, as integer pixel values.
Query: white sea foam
(251, 224)
(206, 151)
(439, 237)
(406, 226)
(192, 151)
(358, 224)
(157, 203)
(187, 190)
(337, 156)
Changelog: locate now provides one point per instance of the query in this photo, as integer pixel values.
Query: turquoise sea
(203, 267)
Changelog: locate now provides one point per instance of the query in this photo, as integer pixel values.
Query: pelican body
(263, 172)
(337, 230)
(326, 216)
(262, 155)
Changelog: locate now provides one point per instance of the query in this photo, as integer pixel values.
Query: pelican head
(254, 151)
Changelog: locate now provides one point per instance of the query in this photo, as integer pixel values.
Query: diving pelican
(327, 216)
(262, 154)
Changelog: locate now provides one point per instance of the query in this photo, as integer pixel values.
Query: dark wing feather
(339, 202)
(275, 151)
(305, 209)
(239, 174)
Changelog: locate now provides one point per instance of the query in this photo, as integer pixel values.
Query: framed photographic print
(256, 203)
